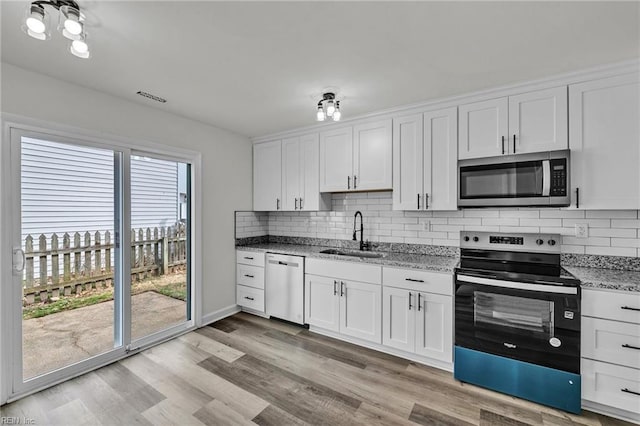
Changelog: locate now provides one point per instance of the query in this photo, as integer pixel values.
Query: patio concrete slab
(61, 339)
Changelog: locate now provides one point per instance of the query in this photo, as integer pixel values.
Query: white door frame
(11, 385)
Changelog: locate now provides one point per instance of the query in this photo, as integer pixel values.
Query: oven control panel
(540, 243)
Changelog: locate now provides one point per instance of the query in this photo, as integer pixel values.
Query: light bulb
(320, 115)
(330, 108)
(80, 49)
(35, 20)
(336, 115)
(73, 27)
(71, 22)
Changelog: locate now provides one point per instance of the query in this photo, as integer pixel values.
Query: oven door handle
(546, 178)
(516, 285)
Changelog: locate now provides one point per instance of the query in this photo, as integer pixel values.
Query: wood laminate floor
(245, 370)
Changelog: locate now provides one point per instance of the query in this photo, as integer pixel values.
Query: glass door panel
(67, 232)
(160, 284)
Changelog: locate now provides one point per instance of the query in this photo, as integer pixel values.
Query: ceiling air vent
(150, 96)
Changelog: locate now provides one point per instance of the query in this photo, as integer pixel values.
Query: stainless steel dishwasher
(284, 287)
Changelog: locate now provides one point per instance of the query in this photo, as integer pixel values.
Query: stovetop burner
(515, 257)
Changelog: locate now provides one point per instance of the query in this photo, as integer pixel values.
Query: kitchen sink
(353, 253)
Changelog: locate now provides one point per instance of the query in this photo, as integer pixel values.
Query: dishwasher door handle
(279, 262)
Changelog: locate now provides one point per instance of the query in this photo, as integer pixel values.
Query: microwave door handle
(546, 178)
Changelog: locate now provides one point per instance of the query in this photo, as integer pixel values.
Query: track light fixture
(328, 106)
(70, 24)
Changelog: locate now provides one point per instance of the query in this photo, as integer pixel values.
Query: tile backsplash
(610, 232)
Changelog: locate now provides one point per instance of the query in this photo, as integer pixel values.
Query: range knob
(552, 242)
(466, 238)
(476, 239)
(539, 242)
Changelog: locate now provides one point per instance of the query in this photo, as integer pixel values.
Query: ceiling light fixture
(70, 24)
(328, 106)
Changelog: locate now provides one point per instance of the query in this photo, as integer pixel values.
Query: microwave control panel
(558, 177)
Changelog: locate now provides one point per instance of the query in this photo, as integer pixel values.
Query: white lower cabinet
(348, 307)
(322, 306)
(611, 350)
(341, 303)
(418, 322)
(250, 280)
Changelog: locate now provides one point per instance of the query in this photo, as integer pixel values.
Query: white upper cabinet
(290, 173)
(425, 161)
(356, 158)
(483, 128)
(336, 161)
(408, 163)
(300, 174)
(538, 121)
(267, 178)
(310, 198)
(529, 122)
(372, 156)
(604, 137)
(440, 160)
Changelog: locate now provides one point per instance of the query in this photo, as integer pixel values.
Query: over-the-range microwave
(524, 180)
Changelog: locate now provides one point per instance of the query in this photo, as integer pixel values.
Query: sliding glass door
(101, 244)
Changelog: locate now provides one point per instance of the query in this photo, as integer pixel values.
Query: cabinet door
(336, 155)
(482, 127)
(538, 121)
(398, 319)
(407, 163)
(309, 173)
(361, 310)
(434, 337)
(441, 160)
(372, 150)
(290, 174)
(267, 178)
(322, 302)
(604, 141)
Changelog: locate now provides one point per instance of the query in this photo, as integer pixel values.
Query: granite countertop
(591, 278)
(426, 262)
(607, 279)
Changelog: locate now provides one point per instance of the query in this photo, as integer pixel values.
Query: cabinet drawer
(611, 341)
(413, 279)
(611, 385)
(252, 276)
(254, 258)
(344, 270)
(611, 305)
(250, 297)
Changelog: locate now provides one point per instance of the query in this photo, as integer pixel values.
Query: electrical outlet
(427, 225)
(582, 230)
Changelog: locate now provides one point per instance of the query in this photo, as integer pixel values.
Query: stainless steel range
(517, 318)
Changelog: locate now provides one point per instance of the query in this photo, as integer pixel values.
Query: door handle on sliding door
(18, 253)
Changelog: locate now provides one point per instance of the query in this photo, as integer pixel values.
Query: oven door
(530, 322)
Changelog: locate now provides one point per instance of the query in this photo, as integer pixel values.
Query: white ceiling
(258, 68)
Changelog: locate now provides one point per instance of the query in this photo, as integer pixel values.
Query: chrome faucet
(363, 245)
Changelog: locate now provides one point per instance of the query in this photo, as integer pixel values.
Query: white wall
(226, 157)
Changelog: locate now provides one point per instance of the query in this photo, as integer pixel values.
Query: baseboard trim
(219, 314)
(611, 411)
(447, 366)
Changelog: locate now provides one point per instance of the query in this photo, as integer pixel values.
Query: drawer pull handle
(414, 280)
(629, 308)
(630, 391)
(630, 346)
(248, 298)
(249, 276)
(248, 258)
